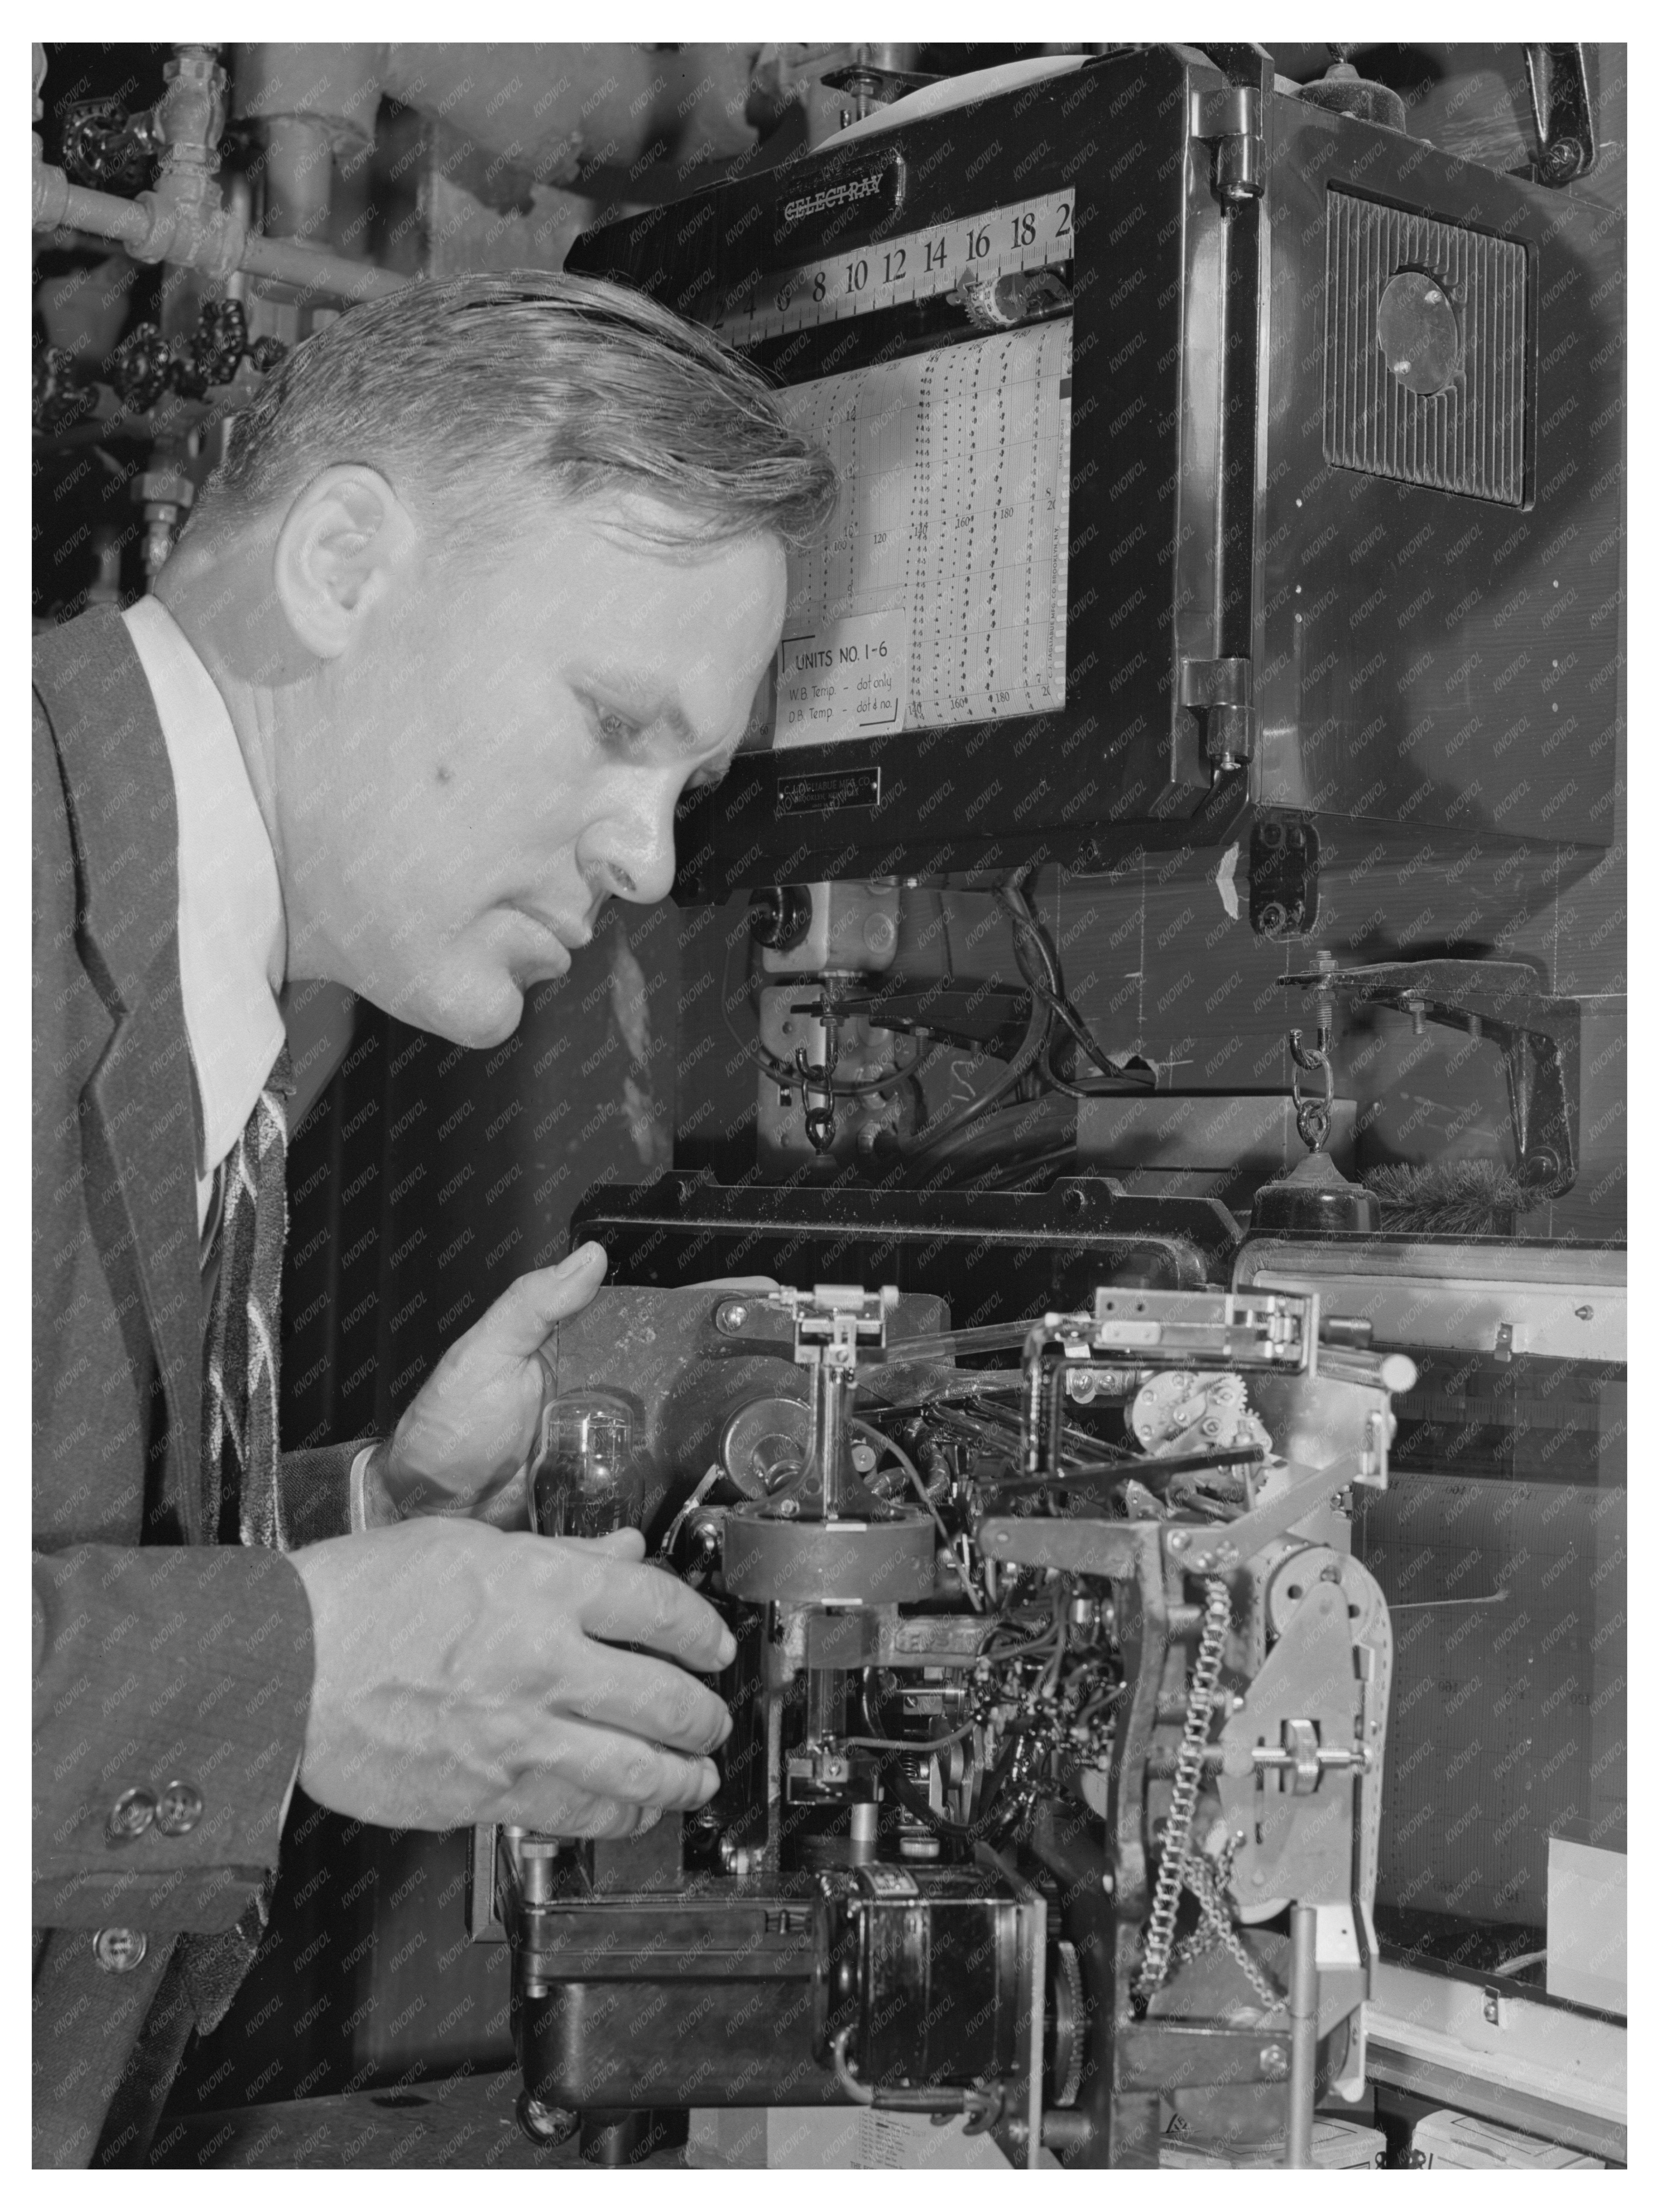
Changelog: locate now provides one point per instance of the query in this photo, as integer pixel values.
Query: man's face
(505, 749)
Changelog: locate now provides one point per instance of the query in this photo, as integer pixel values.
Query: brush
(1450, 1198)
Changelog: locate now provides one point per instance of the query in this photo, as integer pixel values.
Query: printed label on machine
(940, 598)
(843, 679)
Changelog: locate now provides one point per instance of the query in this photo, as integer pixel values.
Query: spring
(1184, 1798)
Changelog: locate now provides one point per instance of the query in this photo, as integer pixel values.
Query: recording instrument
(1051, 1805)
(1218, 464)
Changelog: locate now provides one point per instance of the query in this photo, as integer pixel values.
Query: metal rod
(1304, 2036)
(832, 1410)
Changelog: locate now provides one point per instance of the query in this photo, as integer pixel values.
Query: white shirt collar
(232, 940)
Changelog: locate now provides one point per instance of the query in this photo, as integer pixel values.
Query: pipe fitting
(187, 223)
(191, 114)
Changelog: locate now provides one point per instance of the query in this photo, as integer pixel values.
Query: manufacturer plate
(829, 792)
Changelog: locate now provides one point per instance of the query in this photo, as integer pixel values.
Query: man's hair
(476, 389)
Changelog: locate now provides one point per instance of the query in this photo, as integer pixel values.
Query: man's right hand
(463, 1675)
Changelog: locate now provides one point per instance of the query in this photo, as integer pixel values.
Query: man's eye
(615, 729)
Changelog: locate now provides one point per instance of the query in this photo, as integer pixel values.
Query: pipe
(215, 240)
(1304, 2037)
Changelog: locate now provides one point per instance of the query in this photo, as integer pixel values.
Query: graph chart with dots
(939, 595)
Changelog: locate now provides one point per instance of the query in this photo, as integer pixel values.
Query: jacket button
(118, 1950)
(130, 1816)
(177, 1808)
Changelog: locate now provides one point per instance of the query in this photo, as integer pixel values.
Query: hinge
(1229, 119)
(1223, 693)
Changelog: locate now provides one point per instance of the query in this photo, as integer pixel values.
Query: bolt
(1275, 2062)
(730, 1315)
(1178, 1542)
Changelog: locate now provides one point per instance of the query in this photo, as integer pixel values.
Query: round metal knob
(1418, 331)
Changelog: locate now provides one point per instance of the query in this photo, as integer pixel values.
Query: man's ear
(346, 542)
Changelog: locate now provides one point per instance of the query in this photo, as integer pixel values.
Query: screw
(1178, 1542)
(730, 1315)
(1585, 1313)
(1275, 2062)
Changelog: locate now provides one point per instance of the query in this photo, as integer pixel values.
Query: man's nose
(635, 851)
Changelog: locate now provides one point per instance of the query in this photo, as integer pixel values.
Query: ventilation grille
(1469, 438)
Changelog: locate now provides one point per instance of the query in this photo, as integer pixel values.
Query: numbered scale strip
(919, 266)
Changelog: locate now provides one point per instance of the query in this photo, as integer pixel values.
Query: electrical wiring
(783, 1074)
(1028, 932)
(1031, 1049)
(962, 1131)
(874, 1434)
(913, 1476)
(919, 1743)
(916, 1805)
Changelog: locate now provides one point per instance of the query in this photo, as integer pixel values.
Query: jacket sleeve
(183, 1674)
(315, 1492)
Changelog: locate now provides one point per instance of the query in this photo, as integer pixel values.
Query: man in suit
(488, 579)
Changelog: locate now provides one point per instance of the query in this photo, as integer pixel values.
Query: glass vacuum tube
(584, 1478)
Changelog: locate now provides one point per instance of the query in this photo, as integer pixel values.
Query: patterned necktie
(238, 1456)
(239, 1386)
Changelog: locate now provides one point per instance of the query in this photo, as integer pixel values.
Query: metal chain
(1208, 1884)
(1184, 1798)
(1312, 1114)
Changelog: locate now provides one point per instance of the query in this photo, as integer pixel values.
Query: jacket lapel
(138, 1108)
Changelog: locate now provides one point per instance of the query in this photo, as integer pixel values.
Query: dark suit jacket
(157, 1657)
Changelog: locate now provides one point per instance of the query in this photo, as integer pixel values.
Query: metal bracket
(1197, 2054)
(1218, 1550)
(1283, 875)
(1536, 1033)
(1561, 109)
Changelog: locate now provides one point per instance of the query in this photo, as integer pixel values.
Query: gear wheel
(1069, 2013)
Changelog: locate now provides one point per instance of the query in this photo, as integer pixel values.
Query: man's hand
(463, 1675)
(467, 1431)
(469, 1428)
